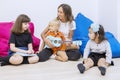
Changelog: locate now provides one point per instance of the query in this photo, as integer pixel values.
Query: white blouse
(66, 27)
(102, 47)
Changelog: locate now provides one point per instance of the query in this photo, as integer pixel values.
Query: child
(55, 37)
(20, 42)
(67, 27)
(97, 51)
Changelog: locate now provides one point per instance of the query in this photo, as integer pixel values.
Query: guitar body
(56, 41)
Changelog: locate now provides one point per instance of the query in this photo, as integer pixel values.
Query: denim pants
(11, 52)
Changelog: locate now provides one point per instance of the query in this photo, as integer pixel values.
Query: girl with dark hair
(97, 51)
(20, 43)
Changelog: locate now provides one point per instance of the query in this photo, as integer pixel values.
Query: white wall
(118, 20)
(105, 12)
(109, 17)
(41, 12)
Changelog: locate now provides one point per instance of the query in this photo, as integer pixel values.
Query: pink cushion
(31, 27)
(5, 28)
(3, 47)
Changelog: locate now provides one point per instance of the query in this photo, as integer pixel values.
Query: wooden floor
(56, 70)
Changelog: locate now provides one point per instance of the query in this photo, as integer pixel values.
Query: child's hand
(85, 60)
(30, 51)
(38, 51)
(68, 43)
(107, 64)
(48, 42)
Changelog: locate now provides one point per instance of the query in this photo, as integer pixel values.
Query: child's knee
(33, 59)
(101, 62)
(16, 59)
(65, 58)
(88, 62)
(63, 55)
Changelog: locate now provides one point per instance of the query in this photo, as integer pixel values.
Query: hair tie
(95, 27)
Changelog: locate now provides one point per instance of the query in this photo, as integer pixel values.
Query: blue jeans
(11, 52)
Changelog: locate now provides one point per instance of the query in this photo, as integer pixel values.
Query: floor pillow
(115, 45)
(81, 32)
(5, 28)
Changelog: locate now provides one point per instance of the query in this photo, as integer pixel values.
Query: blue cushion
(82, 25)
(115, 45)
(81, 32)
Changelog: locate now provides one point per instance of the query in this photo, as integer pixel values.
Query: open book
(25, 54)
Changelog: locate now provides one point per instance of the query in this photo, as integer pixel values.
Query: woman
(67, 26)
